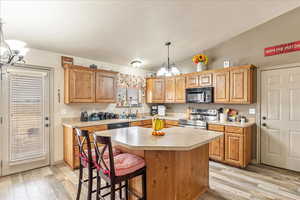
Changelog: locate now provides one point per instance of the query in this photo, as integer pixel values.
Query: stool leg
(98, 186)
(90, 183)
(120, 191)
(126, 190)
(112, 191)
(79, 182)
(144, 177)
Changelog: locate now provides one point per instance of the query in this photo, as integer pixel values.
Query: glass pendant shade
(5, 51)
(168, 69)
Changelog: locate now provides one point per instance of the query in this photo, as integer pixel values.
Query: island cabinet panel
(171, 123)
(180, 82)
(170, 84)
(206, 80)
(241, 85)
(158, 95)
(79, 85)
(221, 86)
(185, 174)
(192, 81)
(216, 147)
(106, 83)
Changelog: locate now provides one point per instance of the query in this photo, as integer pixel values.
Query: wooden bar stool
(87, 160)
(115, 170)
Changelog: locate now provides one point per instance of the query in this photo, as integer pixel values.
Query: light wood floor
(255, 183)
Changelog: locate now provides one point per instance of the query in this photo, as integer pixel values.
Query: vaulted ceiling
(118, 31)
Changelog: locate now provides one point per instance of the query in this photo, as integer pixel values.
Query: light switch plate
(252, 111)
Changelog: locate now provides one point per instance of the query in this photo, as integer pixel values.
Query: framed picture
(66, 60)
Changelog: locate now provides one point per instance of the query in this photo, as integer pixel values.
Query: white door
(280, 118)
(25, 136)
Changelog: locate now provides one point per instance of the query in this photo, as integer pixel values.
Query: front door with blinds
(26, 136)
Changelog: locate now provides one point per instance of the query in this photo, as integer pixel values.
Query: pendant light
(168, 69)
(11, 51)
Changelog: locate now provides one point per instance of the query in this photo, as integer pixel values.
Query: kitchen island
(177, 163)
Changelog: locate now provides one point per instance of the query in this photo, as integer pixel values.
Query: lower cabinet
(71, 150)
(234, 148)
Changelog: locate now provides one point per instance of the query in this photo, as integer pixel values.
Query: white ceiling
(118, 31)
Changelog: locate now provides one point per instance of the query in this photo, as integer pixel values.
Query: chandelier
(11, 51)
(168, 69)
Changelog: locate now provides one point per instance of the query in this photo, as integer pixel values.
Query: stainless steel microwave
(199, 95)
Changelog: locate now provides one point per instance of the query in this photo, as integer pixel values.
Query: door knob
(264, 124)
(264, 118)
(46, 125)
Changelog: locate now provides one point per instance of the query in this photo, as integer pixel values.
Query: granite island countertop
(175, 139)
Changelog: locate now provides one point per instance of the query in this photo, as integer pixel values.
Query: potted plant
(201, 61)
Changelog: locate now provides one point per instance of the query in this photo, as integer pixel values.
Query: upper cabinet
(180, 85)
(221, 86)
(106, 87)
(206, 80)
(170, 84)
(85, 85)
(79, 85)
(192, 80)
(158, 95)
(241, 84)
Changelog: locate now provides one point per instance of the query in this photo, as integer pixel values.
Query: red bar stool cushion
(126, 163)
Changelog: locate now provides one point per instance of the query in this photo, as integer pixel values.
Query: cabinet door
(81, 86)
(234, 145)
(149, 90)
(170, 90)
(105, 87)
(216, 149)
(192, 81)
(158, 95)
(205, 80)
(180, 89)
(240, 85)
(221, 86)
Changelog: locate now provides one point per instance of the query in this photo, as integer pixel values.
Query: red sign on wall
(283, 48)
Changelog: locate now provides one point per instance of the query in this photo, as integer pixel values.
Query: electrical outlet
(252, 111)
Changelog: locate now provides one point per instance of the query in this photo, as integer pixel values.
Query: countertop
(75, 122)
(175, 139)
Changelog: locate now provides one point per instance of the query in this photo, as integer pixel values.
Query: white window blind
(26, 124)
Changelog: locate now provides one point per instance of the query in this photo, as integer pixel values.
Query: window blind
(26, 111)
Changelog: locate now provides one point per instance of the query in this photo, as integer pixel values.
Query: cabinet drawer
(147, 122)
(216, 127)
(137, 123)
(172, 122)
(94, 128)
(234, 129)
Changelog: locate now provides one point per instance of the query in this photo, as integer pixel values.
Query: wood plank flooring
(257, 182)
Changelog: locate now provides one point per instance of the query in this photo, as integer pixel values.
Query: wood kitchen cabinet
(237, 146)
(241, 84)
(85, 85)
(155, 90)
(221, 86)
(158, 90)
(206, 80)
(106, 82)
(79, 84)
(170, 88)
(192, 80)
(71, 150)
(216, 147)
(234, 148)
(180, 85)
